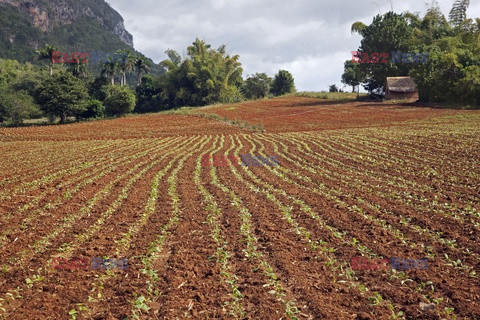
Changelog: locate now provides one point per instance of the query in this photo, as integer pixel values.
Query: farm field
(240, 242)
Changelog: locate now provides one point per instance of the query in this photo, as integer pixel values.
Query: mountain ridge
(85, 25)
(48, 14)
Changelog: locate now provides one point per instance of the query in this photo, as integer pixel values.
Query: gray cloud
(310, 38)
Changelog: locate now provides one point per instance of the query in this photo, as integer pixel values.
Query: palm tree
(141, 65)
(78, 69)
(125, 65)
(109, 69)
(358, 27)
(47, 54)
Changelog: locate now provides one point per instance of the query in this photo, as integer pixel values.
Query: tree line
(452, 72)
(206, 76)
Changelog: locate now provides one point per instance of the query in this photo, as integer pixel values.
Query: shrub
(120, 100)
(94, 109)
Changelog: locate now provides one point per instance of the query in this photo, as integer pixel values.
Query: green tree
(47, 54)
(450, 74)
(174, 60)
(283, 83)
(142, 65)
(125, 65)
(333, 88)
(388, 33)
(78, 69)
(151, 96)
(257, 86)
(432, 27)
(352, 75)
(109, 69)
(120, 100)
(94, 109)
(98, 88)
(17, 106)
(62, 95)
(467, 89)
(206, 76)
(18, 84)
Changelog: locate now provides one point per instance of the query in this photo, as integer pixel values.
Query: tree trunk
(63, 117)
(51, 70)
(112, 79)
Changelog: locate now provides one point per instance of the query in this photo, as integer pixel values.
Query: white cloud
(310, 38)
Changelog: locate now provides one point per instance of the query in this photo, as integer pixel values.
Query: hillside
(83, 25)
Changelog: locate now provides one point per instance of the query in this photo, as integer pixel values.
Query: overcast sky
(310, 38)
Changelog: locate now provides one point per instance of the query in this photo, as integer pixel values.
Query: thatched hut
(401, 88)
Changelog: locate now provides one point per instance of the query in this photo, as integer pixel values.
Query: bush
(120, 100)
(16, 107)
(94, 109)
(231, 94)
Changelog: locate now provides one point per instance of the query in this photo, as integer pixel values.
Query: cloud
(310, 38)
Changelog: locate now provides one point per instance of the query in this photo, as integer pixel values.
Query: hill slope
(71, 25)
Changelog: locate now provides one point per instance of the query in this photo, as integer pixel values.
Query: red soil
(370, 180)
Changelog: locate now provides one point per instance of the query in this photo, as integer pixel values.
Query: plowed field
(244, 242)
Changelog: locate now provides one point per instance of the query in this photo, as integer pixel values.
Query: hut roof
(401, 84)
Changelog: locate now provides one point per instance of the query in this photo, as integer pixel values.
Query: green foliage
(78, 70)
(358, 27)
(98, 88)
(207, 76)
(120, 100)
(47, 54)
(17, 34)
(452, 71)
(150, 96)
(142, 65)
(16, 106)
(18, 83)
(63, 95)
(467, 89)
(283, 83)
(353, 75)
(94, 109)
(19, 76)
(126, 64)
(109, 68)
(257, 86)
(82, 34)
(387, 33)
(433, 26)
